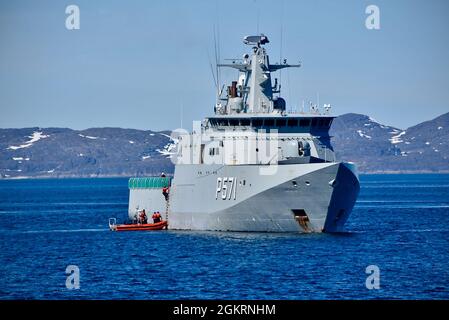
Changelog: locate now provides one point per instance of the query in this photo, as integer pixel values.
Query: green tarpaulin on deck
(149, 183)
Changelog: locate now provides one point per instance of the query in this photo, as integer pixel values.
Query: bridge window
(314, 122)
(257, 122)
(304, 122)
(233, 122)
(280, 122)
(222, 122)
(245, 122)
(269, 122)
(292, 122)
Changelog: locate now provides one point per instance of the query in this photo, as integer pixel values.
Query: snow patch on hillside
(87, 137)
(397, 137)
(35, 137)
(362, 135)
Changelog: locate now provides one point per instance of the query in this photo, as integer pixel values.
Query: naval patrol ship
(253, 166)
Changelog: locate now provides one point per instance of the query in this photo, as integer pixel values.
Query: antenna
(219, 52)
(280, 62)
(217, 44)
(280, 46)
(213, 74)
(216, 53)
(289, 88)
(217, 60)
(217, 56)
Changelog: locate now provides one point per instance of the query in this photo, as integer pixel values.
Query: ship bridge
(289, 123)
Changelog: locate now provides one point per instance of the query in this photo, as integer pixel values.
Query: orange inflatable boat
(137, 227)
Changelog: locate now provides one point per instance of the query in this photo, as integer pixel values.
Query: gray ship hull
(311, 197)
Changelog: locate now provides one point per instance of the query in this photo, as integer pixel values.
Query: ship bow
(346, 188)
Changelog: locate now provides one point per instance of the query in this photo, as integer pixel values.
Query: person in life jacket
(165, 192)
(156, 217)
(143, 217)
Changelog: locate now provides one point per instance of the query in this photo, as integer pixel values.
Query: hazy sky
(134, 63)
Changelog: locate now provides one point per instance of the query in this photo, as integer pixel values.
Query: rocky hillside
(379, 148)
(60, 152)
(100, 152)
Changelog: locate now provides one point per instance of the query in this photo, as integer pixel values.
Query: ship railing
(331, 157)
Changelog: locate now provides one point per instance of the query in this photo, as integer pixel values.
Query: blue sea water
(400, 223)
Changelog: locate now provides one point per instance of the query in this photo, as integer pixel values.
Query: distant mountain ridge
(95, 152)
(377, 148)
(103, 152)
